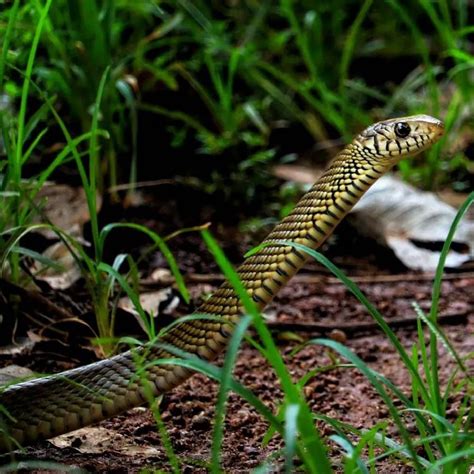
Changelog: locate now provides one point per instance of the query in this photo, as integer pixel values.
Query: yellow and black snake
(46, 407)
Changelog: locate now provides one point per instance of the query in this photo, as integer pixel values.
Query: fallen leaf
(96, 439)
(298, 174)
(65, 207)
(21, 347)
(68, 272)
(163, 301)
(413, 223)
(13, 372)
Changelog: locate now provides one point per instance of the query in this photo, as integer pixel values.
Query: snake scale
(46, 407)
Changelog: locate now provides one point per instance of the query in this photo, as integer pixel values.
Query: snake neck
(310, 223)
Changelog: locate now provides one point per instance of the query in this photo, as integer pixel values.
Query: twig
(216, 278)
(35, 301)
(448, 318)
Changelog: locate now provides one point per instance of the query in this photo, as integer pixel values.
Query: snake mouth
(435, 126)
(439, 130)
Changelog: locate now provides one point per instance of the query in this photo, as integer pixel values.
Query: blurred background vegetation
(210, 93)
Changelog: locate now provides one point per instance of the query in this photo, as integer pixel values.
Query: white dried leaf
(412, 223)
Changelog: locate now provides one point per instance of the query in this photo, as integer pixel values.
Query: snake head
(399, 138)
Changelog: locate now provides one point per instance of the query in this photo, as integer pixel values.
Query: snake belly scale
(46, 407)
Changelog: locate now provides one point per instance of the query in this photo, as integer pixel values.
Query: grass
(439, 444)
(14, 212)
(446, 443)
(252, 68)
(450, 30)
(82, 40)
(18, 195)
(79, 82)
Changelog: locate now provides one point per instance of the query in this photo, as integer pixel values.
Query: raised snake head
(394, 139)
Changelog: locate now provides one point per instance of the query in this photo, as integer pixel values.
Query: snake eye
(402, 129)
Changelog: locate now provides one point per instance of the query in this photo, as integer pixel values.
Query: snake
(49, 406)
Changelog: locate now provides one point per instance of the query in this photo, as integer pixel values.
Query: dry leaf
(13, 372)
(298, 174)
(62, 279)
(413, 223)
(65, 207)
(96, 439)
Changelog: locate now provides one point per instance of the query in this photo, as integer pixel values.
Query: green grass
(14, 213)
(18, 195)
(252, 68)
(450, 31)
(439, 444)
(71, 72)
(82, 41)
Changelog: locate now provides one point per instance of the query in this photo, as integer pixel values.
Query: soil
(131, 443)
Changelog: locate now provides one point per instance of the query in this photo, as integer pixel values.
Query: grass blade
(227, 368)
(314, 454)
(362, 367)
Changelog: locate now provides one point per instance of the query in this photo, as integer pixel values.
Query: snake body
(46, 407)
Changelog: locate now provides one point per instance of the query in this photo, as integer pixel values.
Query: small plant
(20, 137)
(18, 196)
(81, 40)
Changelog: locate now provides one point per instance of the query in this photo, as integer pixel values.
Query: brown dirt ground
(130, 442)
